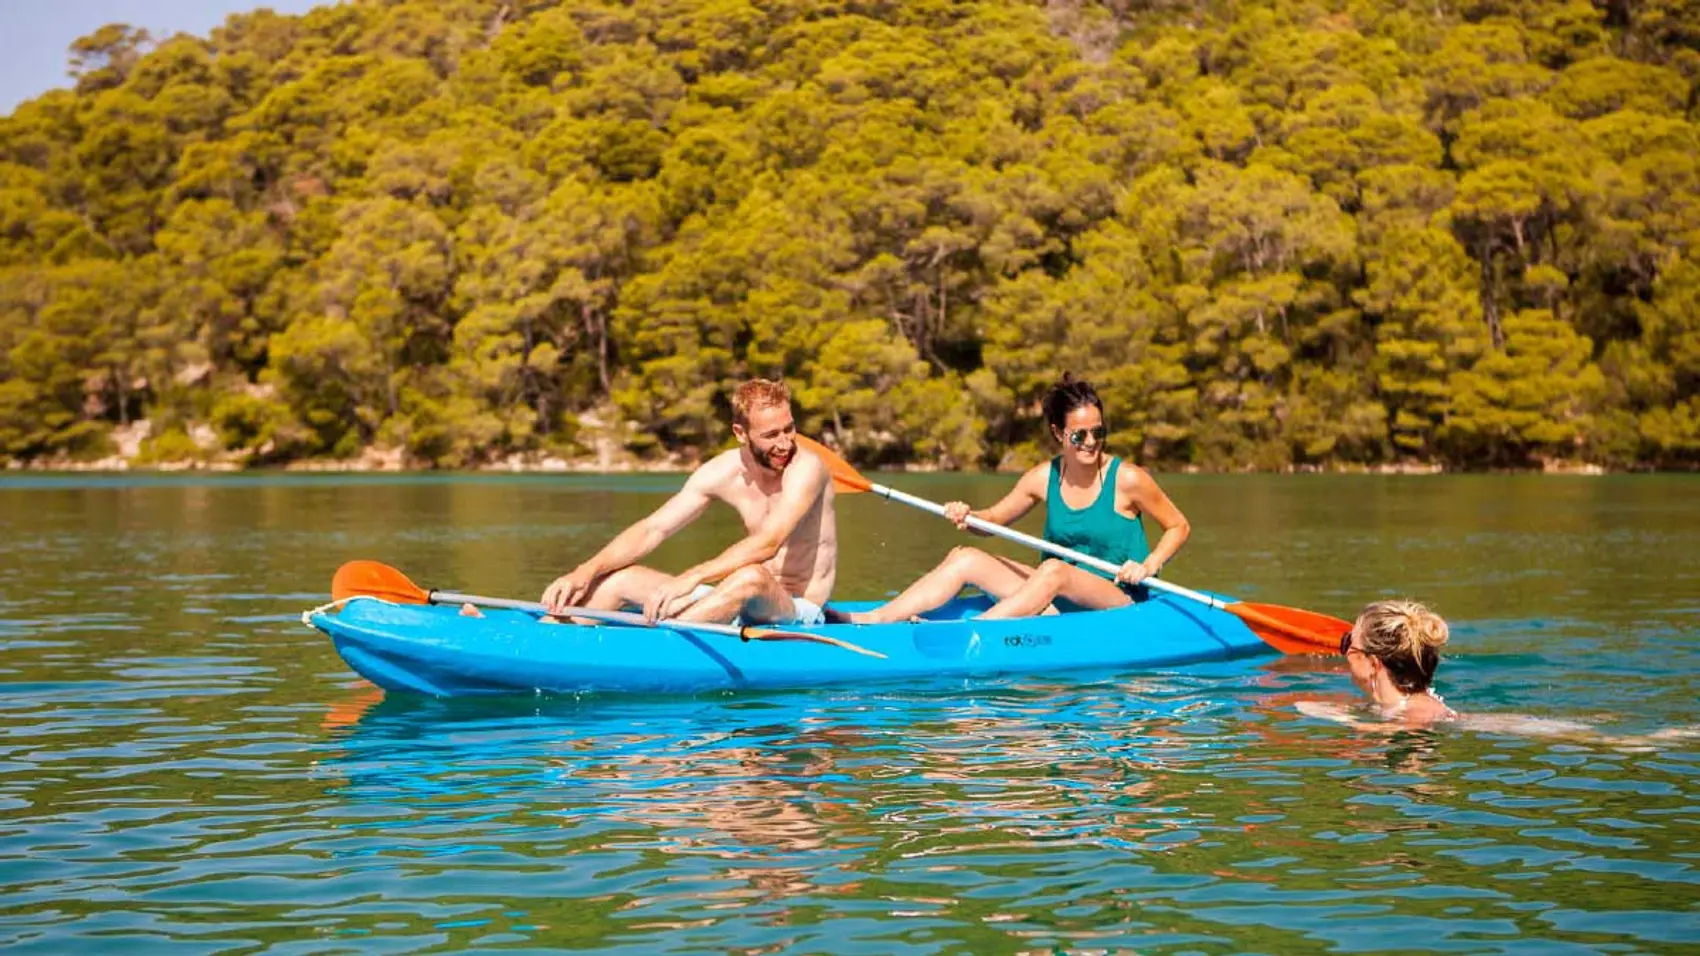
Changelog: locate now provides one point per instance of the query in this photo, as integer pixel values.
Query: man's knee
(627, 586)
(621, 583)
(748, 580)
(617, 578)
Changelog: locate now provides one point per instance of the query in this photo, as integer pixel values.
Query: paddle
(1289, 630)
(374, 579)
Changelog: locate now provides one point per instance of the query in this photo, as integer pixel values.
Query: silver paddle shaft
(594, 614)
(1040, 544)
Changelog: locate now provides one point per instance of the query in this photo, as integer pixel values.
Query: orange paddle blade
(1292, 630)
(377, 580)
(844, 477)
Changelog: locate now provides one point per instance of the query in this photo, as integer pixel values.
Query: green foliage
(264, 428)
(170, 447)
(1274, 233)
(1530, 401)
(1420, 295)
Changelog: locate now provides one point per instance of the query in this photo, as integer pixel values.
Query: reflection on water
(186, 767)
(1178, 809)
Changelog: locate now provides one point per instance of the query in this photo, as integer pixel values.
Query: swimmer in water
(1392, 653)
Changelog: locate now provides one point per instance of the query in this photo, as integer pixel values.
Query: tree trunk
(1490, 297)
(496, 23)
(121, 387)
(596, 326)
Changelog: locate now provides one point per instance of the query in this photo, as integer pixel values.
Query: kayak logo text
(1027, 640)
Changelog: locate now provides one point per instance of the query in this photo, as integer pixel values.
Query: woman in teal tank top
(1094, 503)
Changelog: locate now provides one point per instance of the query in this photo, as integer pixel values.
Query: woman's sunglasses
(1078, 436)
(1345, 643)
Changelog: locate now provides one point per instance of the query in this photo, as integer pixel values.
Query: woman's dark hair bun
(1068, 394)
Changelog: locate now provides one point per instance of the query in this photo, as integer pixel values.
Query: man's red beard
(765, 458)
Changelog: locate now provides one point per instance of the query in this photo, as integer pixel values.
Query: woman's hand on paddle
(568, 589)
(957, 513)
(1133, 572)
(669, 599)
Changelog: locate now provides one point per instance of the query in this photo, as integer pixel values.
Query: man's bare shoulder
(809, 477)
(808, 464)
(718, 472)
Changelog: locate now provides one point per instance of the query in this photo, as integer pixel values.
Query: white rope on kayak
(307, 616)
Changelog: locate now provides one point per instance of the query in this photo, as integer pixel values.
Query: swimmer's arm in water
(1515, 725)
(1326, 711)
(1342, 715)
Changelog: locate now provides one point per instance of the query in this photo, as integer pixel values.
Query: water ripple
(184, 767)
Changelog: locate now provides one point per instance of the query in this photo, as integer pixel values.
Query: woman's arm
(1029, 490)
(1135, 485)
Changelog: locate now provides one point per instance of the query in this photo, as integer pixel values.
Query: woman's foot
(835, 616)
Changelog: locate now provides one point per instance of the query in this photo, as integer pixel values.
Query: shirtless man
(781, 572)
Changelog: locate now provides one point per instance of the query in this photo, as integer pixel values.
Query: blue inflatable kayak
(432, 649)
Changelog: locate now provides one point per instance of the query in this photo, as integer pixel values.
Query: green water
(188, 768)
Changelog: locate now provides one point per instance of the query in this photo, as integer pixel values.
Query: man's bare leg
(627, 586)
(624, 588)
(751, 592)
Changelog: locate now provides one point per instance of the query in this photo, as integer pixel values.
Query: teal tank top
(1097, 529)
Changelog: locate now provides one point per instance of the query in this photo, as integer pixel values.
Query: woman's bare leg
(1058, 579)
(994, 575)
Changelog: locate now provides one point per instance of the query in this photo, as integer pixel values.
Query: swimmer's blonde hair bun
(1402, 625)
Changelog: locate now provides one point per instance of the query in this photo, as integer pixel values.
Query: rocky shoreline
(373, 460)
(379, 461)
(608, 455)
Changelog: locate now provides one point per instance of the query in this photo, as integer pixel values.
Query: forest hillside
(1276, 233)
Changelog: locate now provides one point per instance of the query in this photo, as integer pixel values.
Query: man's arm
(801, 486)
(632, 544)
